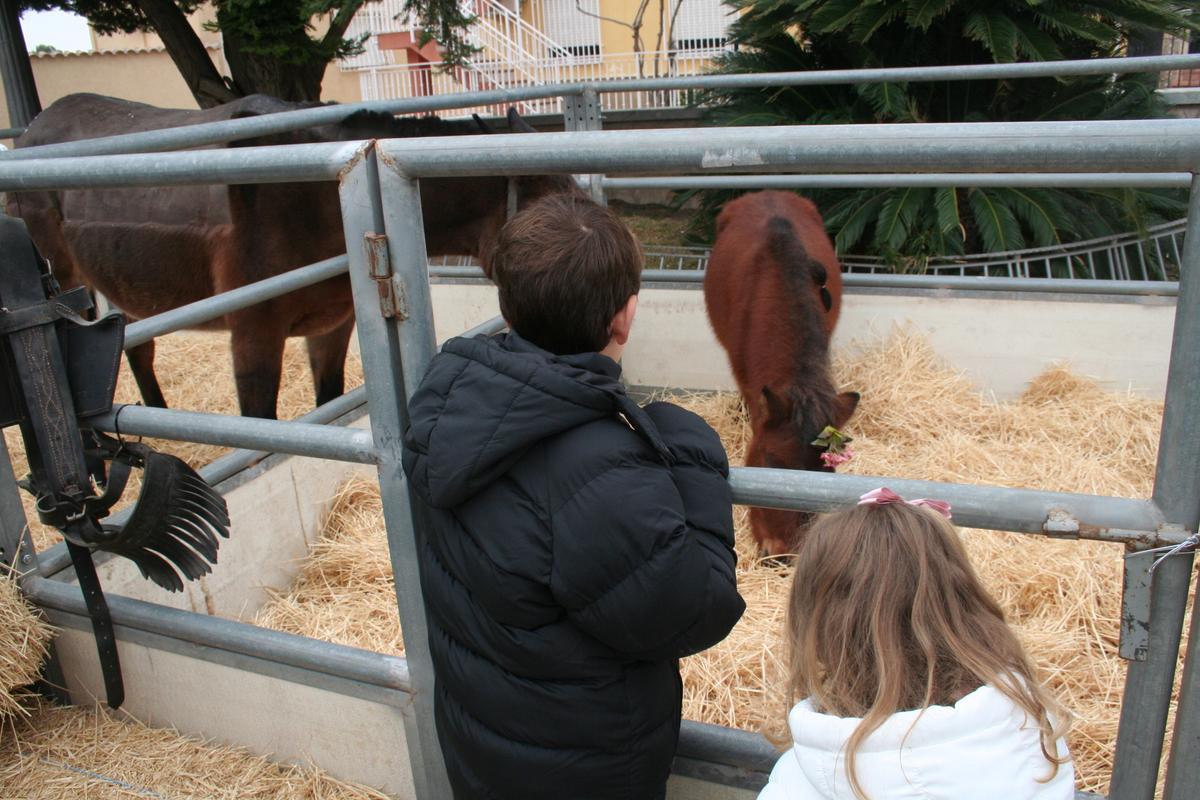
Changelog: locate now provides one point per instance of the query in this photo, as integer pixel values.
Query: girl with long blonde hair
(909, 682)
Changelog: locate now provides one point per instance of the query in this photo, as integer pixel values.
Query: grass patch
(654, 224)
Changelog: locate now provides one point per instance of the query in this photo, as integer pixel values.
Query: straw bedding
(69, 753)
(195, 371)
(24, 636)
(917, 419)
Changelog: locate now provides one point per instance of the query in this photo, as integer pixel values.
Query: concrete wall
(351, 732)
(1000, 341)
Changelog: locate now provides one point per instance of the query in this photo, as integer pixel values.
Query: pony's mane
(814, 399)
(366, 124)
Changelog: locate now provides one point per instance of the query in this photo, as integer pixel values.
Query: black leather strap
(69, 305)
(102, 627)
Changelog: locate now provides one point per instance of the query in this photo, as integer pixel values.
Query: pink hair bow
(882, 496)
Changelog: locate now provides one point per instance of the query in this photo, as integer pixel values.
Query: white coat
(983, 747)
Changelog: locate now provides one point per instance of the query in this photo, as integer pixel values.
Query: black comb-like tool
(172, 532)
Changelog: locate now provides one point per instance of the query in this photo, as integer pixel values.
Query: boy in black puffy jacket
(579, 544)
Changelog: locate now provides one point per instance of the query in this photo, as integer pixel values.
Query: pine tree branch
(338, 25)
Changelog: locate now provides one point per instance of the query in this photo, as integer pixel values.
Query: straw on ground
(918, 419)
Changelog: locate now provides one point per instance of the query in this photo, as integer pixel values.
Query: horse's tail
(788, 250)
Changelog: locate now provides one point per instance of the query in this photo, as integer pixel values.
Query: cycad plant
(907, 226)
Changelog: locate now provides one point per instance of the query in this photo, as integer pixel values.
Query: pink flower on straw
(832, 459)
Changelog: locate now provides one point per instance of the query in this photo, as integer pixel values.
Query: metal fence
(379, 192)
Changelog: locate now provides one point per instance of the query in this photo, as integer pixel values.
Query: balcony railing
(421, 80)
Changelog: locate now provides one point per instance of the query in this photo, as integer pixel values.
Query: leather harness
(56, 366)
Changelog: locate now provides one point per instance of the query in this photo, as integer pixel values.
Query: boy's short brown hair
(565, 266)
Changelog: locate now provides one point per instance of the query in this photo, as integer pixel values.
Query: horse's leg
(257, 366)
(141, 362)
(327, 358)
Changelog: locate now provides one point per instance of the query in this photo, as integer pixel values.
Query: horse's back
(90, 116)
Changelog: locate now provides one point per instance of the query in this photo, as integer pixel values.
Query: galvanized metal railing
(215, 132)
(379, 191)
(1150, 256)
(1148, 146)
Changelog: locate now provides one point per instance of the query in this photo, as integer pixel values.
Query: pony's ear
(483, 126)
(846, 403)
(778, 411)
(517, 123)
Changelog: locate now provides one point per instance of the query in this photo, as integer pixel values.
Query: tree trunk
(19, 89)
(253, 73)
(188, 53)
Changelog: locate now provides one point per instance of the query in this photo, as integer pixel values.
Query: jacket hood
(485, 401)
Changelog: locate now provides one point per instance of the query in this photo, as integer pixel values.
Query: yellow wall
(340, 87)
(619, 38)
(147, 77)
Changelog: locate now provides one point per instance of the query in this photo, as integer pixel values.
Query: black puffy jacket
(578, 546)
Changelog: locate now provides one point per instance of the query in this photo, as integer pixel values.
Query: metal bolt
(26, 559)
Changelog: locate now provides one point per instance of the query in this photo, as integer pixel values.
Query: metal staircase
(511, 51)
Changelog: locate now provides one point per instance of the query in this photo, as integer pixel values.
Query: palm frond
(995, 222)
(890, 101)
(870, 20)
(1151, 14)
(851, 231)
(995, 32)
(907, 227)
(897, 215)
(1066, 22)
(833, 16)
(1040, 213)
(949, 221)
(1035, 43)
(921, 13)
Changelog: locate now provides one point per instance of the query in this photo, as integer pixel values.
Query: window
(700, 24)
(575, 28)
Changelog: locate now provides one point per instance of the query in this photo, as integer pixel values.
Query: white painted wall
(1000, 342)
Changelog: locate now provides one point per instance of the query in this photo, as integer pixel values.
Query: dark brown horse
(773, 292)
(153, 249)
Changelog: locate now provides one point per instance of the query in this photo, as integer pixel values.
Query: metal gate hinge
(391, 293)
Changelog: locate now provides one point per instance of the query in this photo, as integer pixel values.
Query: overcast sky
(58, 29)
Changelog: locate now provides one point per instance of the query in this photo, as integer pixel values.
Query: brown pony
(149, 250)
(773, 290)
